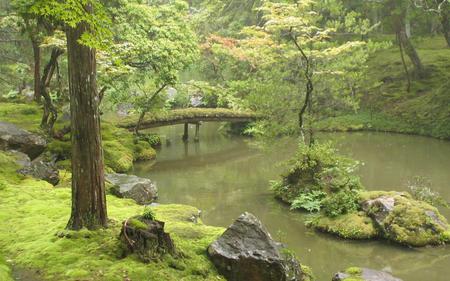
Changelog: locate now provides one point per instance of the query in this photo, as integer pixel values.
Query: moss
(411, 222)
(308, 274)
(185, 113)
(143, 151)
(5, 271)
(117, 157)
(349, 226)
(136, 223)
(63, 149)
(424, 110)
(27, 116)
(34, 215)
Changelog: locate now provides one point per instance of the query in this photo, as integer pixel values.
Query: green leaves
(73, 12)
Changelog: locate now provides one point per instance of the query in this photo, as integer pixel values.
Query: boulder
(22, 160)
(42, 168)
(246, 251)
(15, 138)
(141, 190)
(364, 274)
(402, 219)
(146, 238)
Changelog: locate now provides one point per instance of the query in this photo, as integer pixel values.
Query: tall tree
(84, 22)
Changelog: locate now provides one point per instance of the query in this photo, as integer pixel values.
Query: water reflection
(226, 176)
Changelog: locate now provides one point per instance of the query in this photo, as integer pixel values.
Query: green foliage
(311, 201)
(149, 214)
(153, 140)
(320, 180)
(340, 203)
(420, 188)
(74, 12)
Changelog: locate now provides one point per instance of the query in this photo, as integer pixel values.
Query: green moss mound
(411, 222)
(349, 226)
(32, 221)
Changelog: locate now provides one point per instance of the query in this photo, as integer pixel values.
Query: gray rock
(21, 158)
(365, 274)
(246, 251)
(141, 190)
(380, 207)
(15, 138)
(43, 169)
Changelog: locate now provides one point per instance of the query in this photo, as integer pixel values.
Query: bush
(319, 178)
(311, 201)
(341, 203)
(421, 190)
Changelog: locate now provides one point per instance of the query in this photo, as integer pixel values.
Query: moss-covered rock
(404, 220)
(348, 226)
(146, 238)
(363, 274)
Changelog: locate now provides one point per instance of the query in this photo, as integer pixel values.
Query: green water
(225, 176)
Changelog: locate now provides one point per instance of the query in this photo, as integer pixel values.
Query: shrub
(311, 201)
(341, 203)
(149, 214)
(421, 190)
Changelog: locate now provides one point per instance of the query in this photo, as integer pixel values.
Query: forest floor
(33, 236)
(387, 106)
(34, 214)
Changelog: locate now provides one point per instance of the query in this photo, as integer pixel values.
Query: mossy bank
(121, 148)
(387, 106)
(32, 221)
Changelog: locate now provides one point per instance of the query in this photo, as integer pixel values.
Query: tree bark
(398, 20)
(37, 69)
(88, 185)
(405, 67)
(49, 108)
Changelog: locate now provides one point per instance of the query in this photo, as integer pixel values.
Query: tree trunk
(445, 21)
(49, 108)
(88, 185)
(37, 69)
(398, 20)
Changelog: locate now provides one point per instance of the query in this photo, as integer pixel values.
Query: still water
(225, 176)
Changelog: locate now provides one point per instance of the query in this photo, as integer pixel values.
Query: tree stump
(146, 238)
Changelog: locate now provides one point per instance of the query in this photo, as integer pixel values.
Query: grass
(425, 110)
(32, 221)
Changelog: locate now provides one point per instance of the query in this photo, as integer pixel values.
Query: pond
(226, 176)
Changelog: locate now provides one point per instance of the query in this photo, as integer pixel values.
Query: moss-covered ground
(387, 106)
(121, 148)
(32, 221)
(5, 271)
